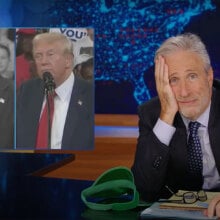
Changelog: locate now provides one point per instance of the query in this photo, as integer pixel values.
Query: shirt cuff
(164, 132)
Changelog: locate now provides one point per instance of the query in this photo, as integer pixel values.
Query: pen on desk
(171, 191)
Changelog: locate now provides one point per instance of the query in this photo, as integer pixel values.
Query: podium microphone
(49, 86)
(49, 83)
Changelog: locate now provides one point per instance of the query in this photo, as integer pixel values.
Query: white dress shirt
(61, 105)
(164, 133)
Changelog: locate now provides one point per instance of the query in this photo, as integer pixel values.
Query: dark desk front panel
(42, 198)
(24, 196)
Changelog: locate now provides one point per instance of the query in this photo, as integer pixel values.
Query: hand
(169, 106)
(214, 207)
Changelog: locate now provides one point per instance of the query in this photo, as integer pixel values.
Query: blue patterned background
(127, 34)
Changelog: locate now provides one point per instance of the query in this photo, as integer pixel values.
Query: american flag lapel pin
(2, 100)
(80, 102)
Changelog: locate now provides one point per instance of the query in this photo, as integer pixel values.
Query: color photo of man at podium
(71, 126)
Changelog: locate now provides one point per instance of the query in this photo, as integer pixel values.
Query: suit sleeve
(29, 102)
(151, 158)
(7, 115)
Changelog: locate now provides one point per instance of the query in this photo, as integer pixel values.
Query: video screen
(47, 88)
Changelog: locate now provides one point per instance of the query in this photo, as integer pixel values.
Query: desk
(24, 196)
(31, 197)
(48, 198)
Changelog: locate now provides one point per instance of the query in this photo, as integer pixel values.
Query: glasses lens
(189, 197)
(202, 195)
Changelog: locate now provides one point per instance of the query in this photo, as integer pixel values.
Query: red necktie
(43, 128)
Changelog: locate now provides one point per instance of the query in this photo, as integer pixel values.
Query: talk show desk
(25, 195)
(25, 192)
(46, 185)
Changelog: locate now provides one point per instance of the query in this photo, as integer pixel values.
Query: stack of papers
(167, 209)
(156, 212)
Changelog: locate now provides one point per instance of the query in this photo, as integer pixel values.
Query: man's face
(50, 57)
(191, 84)
(4, 60)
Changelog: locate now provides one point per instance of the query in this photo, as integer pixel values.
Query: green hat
(114, 189)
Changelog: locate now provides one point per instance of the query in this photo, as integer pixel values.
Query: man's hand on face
(169, 106)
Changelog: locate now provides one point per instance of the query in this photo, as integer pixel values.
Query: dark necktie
(43, 128)
(194, 150)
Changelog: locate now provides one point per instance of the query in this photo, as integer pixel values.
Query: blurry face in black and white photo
(4, 60)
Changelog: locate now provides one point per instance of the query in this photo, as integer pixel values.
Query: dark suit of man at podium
(68, 100)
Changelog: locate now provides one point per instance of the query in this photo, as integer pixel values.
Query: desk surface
(48, 198)
(24, 196)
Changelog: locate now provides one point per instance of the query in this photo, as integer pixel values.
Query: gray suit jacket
(79, 126)
(6, 113)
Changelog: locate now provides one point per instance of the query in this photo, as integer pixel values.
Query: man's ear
(69, 61)
(210, 76)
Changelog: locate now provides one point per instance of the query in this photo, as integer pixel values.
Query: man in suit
(73, 118)
(6, 113)
(184, 82)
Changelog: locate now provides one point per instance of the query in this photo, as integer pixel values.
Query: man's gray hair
(188, 41)
(51, 37)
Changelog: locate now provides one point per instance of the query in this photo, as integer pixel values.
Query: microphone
(49, 83)
(49, 86)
